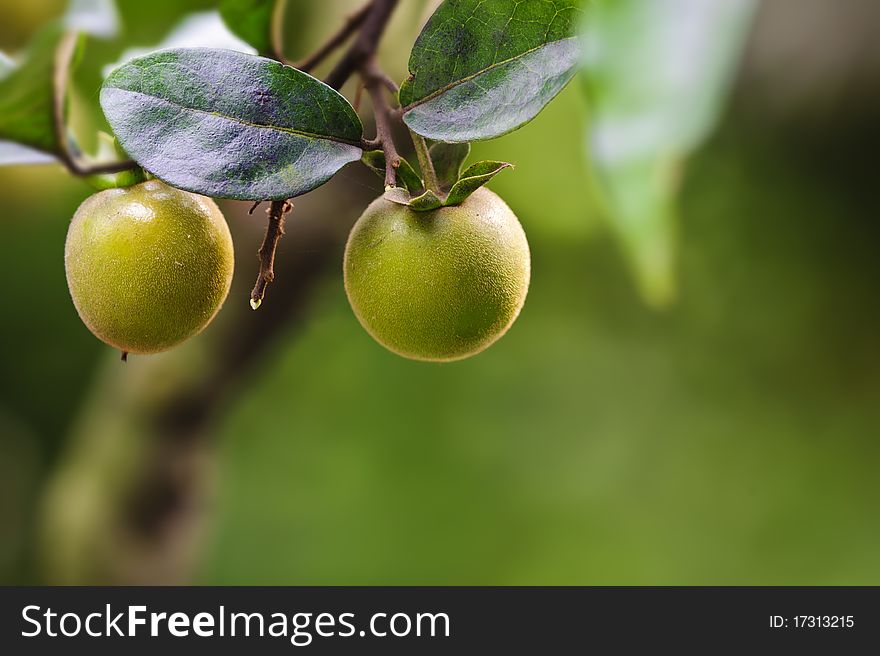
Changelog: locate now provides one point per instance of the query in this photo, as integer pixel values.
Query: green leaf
(28, 96)
(253, 21)
(230, 125)
(406, 174)
(422, 203)
(481, 68)
(656, 75)
(448, 159)
(473, 178)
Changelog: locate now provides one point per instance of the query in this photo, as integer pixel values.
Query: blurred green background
(732, 437)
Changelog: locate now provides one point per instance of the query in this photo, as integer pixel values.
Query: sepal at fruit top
(474, 177)
(421, 203)
(448, 159)
(406, 174)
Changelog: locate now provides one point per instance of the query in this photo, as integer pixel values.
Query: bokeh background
(728, 436)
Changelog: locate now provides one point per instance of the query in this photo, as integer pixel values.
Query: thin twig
(365, 44)
(358, 94)
(83, 169)
(266, 254)
(374, 84)
(352, 23)
(372, 26)
(390, 84)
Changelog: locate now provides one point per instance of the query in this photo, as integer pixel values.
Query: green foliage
(230, 125)
(423, 202)
(252, 20)
(448, 159)
(481, 68)
(406, 174)
(656, 84)
(28, 97)
(33, 91)
(474, 177)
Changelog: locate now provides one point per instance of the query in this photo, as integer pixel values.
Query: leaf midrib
(294, 131)
(472, 76)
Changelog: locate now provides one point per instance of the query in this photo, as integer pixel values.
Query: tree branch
(153, 523)
(352, 23)
(359, 57)
(364, 46)
(84, 169)
(374, 83)
(266, 254)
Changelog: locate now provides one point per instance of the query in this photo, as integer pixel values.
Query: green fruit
(439, 285)
(148, 266)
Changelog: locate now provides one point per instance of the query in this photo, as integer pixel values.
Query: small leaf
(656, 85)
(253, 21)
(422, 203)
(28, 95)
(448, 159)
(481, 68)
(230, 125)
(406, 174)
(472, 179)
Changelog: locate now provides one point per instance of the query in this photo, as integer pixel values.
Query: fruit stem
(425, 163)
(266, 254)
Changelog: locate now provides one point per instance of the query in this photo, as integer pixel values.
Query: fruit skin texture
(440, 285)
(148, 266)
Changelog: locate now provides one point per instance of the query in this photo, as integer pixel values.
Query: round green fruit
(148, 266)
(439, 285)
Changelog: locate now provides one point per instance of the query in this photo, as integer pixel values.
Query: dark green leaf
(447, 159)
(230, 125)
(252, 20)
(406, 174)
(472, 179)
(422, 203)
(481, 68)
(28, 102)
(656, 85)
